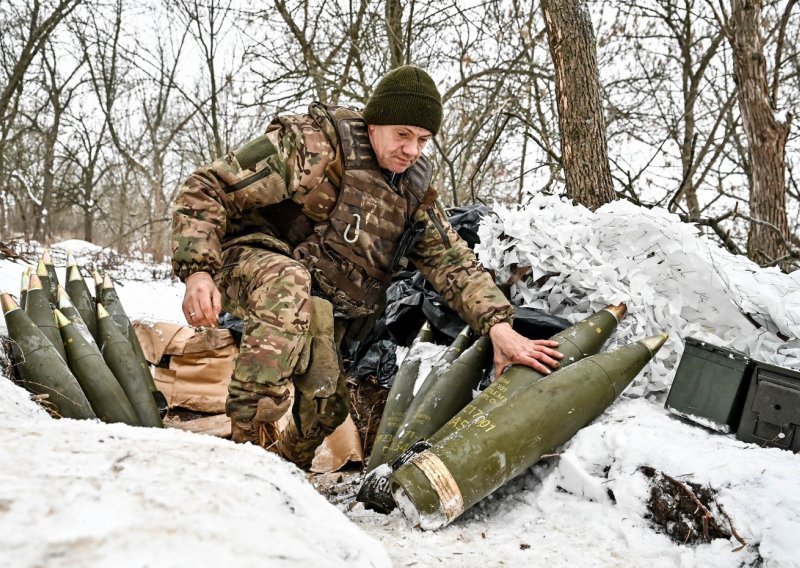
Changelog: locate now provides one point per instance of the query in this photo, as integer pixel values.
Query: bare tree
(60, 90)
(768, 237)
(584, 151)
(208, 23)
(26, 30)
(85, 153)
(143, 136)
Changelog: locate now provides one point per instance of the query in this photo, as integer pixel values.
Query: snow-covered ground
(90, 494)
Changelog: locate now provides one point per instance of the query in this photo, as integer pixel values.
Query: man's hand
(511, 348)
(202, 300)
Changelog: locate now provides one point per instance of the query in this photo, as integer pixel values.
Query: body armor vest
(351, 254)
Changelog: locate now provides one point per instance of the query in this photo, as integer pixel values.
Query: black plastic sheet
(379, 361)
(465, 220)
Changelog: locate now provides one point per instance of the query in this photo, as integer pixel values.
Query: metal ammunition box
(710, 385)
(771, 415)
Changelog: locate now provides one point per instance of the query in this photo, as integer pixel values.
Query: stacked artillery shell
(38, 308)
(66, 307)
(129, 371)
(459, 344)
(437, 485)
(23, 288)
(110, 300)
(42, 368)
(98, 286)
(44, 282)
(52, 277)
(447, 388)
(79, 293)
(399, 398)
(449, 394)
(105, 394)
(575, 343)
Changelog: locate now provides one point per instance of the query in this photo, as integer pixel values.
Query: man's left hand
(511, 348)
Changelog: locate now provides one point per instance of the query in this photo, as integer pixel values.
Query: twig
(730, 524)
(689, 171)
(686, 490)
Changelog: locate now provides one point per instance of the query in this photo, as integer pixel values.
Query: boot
(262, 428)
(257, 433)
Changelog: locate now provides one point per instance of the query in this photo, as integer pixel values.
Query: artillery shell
(399, 398)
(576, 342)
(111, 302)
(44, 282)
(41, 367)
(51, 275)
(105, 394)
(438, 484)
(78, 292)
(129, 371)
(38, 308)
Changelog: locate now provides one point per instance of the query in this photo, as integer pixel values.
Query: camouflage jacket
(251, 196)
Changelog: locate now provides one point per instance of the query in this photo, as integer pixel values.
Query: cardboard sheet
(200, 365)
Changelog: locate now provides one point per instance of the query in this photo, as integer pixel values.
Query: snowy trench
(82, 493)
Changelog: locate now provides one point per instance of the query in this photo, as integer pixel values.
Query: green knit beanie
(406, 95)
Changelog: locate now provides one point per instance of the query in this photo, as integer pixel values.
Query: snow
(89, 494)
(83, 493)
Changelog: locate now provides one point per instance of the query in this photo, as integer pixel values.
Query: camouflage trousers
(288, 336)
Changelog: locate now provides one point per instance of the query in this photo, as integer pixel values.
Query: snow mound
(83, 493)
(671, 278)
(77, 247)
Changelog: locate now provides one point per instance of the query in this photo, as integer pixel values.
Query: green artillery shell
(23, 287)
(449, 394)
(97, 381)
(65, 307)
(98, 286)
(438, 484)
(459, 344)
(129, 371)
(576, 342)
(39, 310)
(51, 275)
(44, 281)
(399, 398)
(110, 300)
(42, 368)
(78, 292)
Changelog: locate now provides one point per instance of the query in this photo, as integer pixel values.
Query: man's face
(397, 147)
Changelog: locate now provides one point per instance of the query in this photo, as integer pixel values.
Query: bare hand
(511, 348)
(202, 301)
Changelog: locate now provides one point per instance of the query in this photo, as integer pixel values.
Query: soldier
(307, 223)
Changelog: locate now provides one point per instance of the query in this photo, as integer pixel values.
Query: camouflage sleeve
(453, 270)
(265, 171)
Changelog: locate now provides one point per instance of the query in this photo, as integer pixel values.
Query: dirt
(367, 400)
(688, 512)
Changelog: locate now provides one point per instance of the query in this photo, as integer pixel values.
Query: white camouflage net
(672, 279)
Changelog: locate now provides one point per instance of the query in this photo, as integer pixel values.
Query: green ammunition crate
(771, 414)
(710, 385)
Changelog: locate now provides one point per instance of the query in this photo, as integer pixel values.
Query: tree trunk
(766, 136)
(394, 31)
(42, 229)
(584, 152)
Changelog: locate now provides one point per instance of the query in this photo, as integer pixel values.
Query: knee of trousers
(276, 323)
